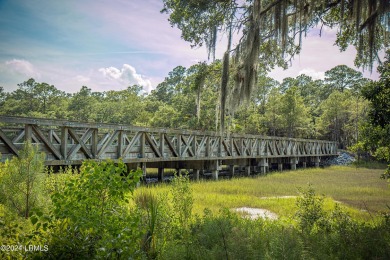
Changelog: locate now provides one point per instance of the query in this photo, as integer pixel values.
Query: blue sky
(111, 44)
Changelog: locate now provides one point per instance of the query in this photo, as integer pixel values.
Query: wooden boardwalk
(69, 143)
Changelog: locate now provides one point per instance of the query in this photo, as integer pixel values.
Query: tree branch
(369, 20)
(269, 6)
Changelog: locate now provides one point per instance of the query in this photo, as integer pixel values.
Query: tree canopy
(271, 32)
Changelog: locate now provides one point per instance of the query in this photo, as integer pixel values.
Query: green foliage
(376, 138)
(56, 182)
(182, 202)
(22, 193)
(93, 198)
(310, 210)
(272, 34)
(21, 181)
(167, 89)
(90, 217)
(386, 174)
(2, 95)
(295, 116)
(335, 114)
(34, 99)
(335, 234)
(156, 222)
(342, 77)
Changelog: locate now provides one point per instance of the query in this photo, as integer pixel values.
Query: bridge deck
(69, 143)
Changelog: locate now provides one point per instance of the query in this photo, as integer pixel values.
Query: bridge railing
(68, 142)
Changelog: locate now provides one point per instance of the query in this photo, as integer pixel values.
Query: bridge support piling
(160, 174)
(248, 170)
(293, 166)
(304, 165)
(213, 166)
(263, 164)
(317, 161)
(214, 170)
(231, 170)
(196, 174)
(280, 166)
(143, 167)
(214, 174)
(293, 163)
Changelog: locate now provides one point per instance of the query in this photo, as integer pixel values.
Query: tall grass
(359, 190)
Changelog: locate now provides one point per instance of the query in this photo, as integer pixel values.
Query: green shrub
(310, 210)
(182, 201)
(55, 182)
(90, 216)
(335, 235)
(21, 181)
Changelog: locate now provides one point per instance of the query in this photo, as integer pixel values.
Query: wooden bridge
(69, 143)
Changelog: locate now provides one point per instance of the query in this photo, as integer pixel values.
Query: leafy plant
(310, 210)
(21, 181)
(156, 221)
(90, 215)
(182, 200)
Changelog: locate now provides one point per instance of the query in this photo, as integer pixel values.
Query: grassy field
(360, 190)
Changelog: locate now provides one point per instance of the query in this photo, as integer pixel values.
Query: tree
(171, 85)
(190, 96)
(22, 102)
(334, 116)
(247, 119)
(2, 95)
(21, 181)
(272, 31)
(47, 95)
(35, 99)
(273, 111)
(294, 114)
(377, 133)
(122, 106)
(165, 116)
(82, 105)
(261, 92)
(343, 77)
(310, 90)
(91, 217)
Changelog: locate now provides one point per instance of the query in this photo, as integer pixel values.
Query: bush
(310, 210)
(21, 181)
(90, 216)
(335, 235)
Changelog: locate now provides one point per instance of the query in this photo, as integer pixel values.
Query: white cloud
(127, 75)
(313, 73)
(23, 67)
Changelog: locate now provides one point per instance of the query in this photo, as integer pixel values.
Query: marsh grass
(153, 172)
(359, 190)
